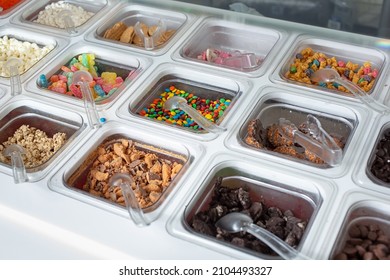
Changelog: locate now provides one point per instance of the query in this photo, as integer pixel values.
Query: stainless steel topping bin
(45, 117)
(30, 14)
(340, 51)
(127, 66)
(204, 85)
(308, 198)
(9, 12)
(40, 40)
(369, 213)
(231, 37)
(341, 121)
(303, 205)
(54, 212)
(70, 178)
(130, 14)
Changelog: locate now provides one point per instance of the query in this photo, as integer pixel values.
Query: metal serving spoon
(236, 222)
(331, 75)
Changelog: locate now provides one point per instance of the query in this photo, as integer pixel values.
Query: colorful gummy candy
(103, 85)
(308, 61)
(210, 109)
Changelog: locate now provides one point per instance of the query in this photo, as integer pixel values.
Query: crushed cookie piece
(270, 138)
(151, 173)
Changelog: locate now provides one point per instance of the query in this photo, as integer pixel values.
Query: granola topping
(38, 147)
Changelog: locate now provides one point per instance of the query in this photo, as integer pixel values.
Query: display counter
(246, 76)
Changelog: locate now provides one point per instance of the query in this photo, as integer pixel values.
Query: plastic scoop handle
(179, 102)
(150, 42)
(243, 61)
(89, 104)
(275, 243)
(331, 75)
(235, 222)
(124, 181)
(83, 78)
(68, 22)
(12, 64)
(315, 129)
(364, 97)
(15, 151)
(322, 146)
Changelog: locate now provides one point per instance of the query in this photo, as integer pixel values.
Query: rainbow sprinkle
(210, 109)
